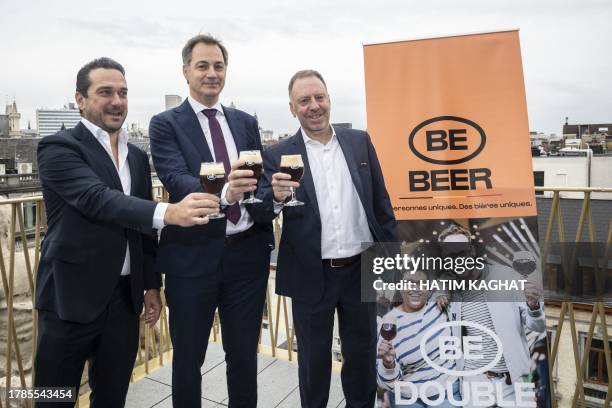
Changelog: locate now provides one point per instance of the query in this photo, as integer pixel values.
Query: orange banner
(448, 118)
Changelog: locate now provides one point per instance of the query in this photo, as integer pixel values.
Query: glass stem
(292, 193)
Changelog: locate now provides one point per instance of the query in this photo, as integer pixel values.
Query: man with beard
(97, 255)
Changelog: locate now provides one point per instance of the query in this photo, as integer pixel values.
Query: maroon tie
(233, 211)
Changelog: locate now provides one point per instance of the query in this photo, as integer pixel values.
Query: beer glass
(524, 263)
(388, 329)
(212, 179)
(251, 160)
(292, 164)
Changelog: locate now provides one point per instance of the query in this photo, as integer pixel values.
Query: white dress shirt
(245, 221)
(344, 225)
(123, 170)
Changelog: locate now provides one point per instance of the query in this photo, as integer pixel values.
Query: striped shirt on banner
(410, 365)
(474, 308)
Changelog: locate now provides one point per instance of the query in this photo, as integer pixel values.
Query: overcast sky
(566, 49)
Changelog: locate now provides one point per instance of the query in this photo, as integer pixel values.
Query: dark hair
(305, 73)
(201, 38)
(83, 81)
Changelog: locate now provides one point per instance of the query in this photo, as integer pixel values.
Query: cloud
(565, 46)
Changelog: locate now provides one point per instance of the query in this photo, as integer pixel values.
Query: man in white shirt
(345, 204)
(98, 252)
(226, 263)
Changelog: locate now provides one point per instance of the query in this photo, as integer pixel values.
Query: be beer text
(440, 140)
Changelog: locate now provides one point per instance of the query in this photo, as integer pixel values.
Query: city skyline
(565, 50)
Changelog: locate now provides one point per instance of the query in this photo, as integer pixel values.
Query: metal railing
(571, 311)
(13, 346)
(155, 346)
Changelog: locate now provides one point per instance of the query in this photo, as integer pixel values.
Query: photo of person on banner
(508, 320)
(400, 367)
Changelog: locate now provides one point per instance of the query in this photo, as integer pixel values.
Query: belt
(240, 236)
(506, 374)
(341, 262)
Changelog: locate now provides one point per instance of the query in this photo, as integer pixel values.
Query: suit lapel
(135, 171)
(348, 148)
(351, 162)
(190, 124)
(306, 183)
(91, 144)
(237, 128)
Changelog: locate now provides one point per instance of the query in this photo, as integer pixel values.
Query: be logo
(465, 347)
(448, 141)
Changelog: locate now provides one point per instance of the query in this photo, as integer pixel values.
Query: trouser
(109, 343)
(238, 291)
(314, 330)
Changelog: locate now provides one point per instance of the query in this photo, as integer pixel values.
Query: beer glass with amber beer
(293, 165)
(212, 179)
(251, 160)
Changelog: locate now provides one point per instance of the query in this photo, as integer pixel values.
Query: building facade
(597, 136)
(50, 121)
(4, 126)
(172, 101)
(586, 170)
(14, 118)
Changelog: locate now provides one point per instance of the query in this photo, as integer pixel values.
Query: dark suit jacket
(299, 270)
(90, 221)
(179, 147)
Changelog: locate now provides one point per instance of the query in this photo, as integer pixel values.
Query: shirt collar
(308, 140)
(100, 133)
(198, 107)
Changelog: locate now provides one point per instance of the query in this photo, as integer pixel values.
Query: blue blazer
(299, 270)
(90, 221)
(178, 147)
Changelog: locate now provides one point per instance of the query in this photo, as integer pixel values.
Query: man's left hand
(152, 306)
(240, 182)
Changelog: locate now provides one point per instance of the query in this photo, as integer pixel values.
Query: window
(596, 370)
(538, 181)
(596, 374)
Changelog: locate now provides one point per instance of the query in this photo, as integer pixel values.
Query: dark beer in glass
(251, 160)
(212, 179)
(388, 329)
(293, 165)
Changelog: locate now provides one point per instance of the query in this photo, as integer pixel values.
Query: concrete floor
(277, 384)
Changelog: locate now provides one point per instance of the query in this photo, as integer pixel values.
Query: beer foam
(211, 168)
(292, 160)
(251, 156)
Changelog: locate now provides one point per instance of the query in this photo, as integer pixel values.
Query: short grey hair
(305, 73)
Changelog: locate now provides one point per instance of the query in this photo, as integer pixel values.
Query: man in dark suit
(224, 264)
(97, 255)
(345, 204)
